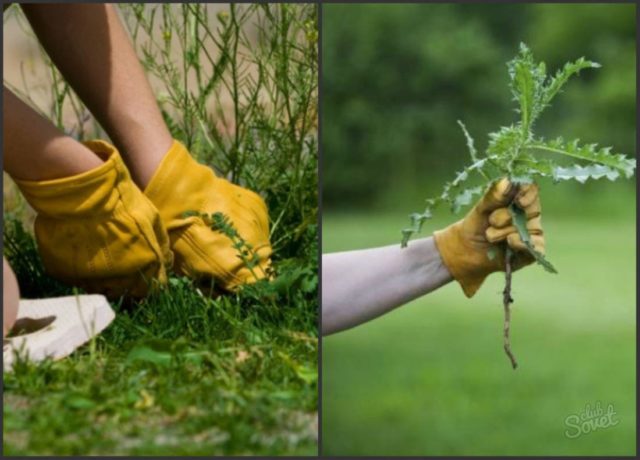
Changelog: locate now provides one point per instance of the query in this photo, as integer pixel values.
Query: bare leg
(92, 50)
(35, 150)
(10, 297)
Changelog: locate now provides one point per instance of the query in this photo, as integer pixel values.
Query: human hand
(464, 245)
(181, 185)
(96, 230)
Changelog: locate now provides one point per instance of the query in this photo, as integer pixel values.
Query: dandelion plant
(517, 153)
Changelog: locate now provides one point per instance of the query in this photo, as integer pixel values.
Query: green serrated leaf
(563, 75)
(465, 198)
(588, 152)
(584, 173)
(406, 236)
(532, 166)
(527, 85)
(470, 143)
(504, 145)
(450, 193)
(415, 217)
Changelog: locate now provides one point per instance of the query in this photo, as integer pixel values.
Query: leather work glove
(464, 244)
(97, 231)
(181, 184)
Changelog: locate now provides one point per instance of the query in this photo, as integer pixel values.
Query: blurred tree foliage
(395, 78)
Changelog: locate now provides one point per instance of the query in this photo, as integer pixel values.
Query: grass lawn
(177, 374)
(431, 378)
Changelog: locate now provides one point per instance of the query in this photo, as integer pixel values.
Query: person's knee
(10, 298)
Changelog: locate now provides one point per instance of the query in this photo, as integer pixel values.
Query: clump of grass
(180, 372)
(22, 253)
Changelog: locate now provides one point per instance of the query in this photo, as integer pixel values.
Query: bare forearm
(34, 149)
(358, 286)
(92, 50)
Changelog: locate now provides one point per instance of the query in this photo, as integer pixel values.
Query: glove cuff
(96, 230)
(88, 193)
(458, 259)
(178, 175)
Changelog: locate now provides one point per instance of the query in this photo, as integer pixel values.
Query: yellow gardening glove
(97, 231)
(181, 184)
(464, 244)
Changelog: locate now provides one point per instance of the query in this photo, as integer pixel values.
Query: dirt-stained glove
(464, 245)
(181, 185)
(96, 230)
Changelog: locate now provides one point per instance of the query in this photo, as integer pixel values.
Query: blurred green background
(431, 378)
(395, 78)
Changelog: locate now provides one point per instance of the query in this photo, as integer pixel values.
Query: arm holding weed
(358, 286)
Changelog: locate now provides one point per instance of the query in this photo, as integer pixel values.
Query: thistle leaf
(584, 173)
(563, 75)
(527, 85)
(465, 198)
(529, 165)
(587, 152)
(504, 144)
(470, 144)
(451, 193)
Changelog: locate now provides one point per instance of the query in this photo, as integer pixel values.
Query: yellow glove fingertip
(527, 195)
(500, 218)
